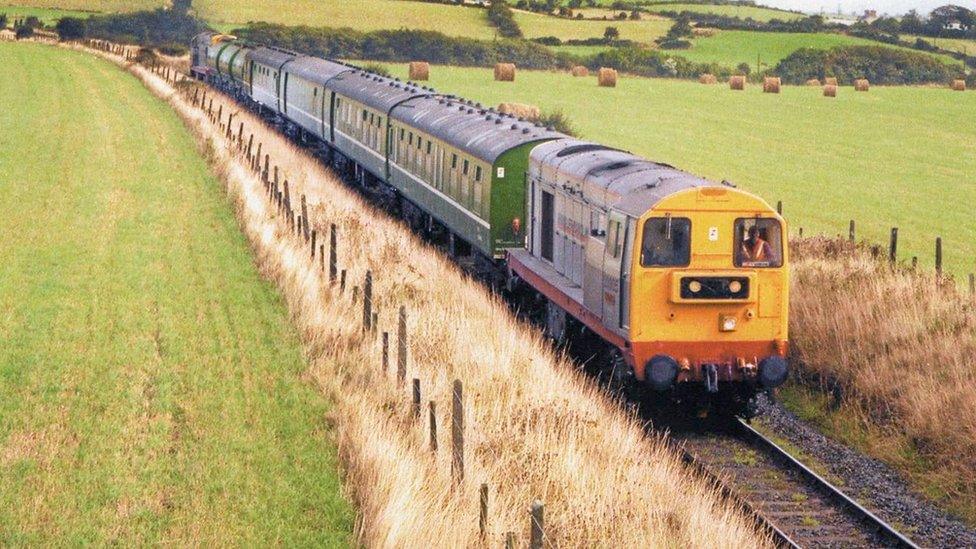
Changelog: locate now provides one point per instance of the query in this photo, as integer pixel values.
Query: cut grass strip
(151, 386)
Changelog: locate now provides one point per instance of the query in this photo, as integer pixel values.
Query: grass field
(48, 16)
(365, 15)
(731, 47)
(535, 25)
(151, 385)
(756, 13)
(897, 156)
(960, 45)
(86, 5)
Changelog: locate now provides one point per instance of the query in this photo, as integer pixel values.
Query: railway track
(798, 506)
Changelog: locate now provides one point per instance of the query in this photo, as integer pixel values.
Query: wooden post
(368, 302)
(483, 510)
(287, 196)
(893, 246)
(257, 159)
(851, 231)
(457, 432)
(914, 262)
(313, 245)
(240, 135)
(322, 257)
(220, 112)
(250, 145)
(402, 345)
(196, 93)
(416, 398)
(938, 256)
(538, 528)
(386, 351)
(972, 284)
(267, 160)
(305, 217)
(332, 253)
(433, 423)
(779, 207)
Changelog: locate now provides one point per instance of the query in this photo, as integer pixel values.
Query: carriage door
(596, 243)
(612, 262)
(547, 226)
(628, 239)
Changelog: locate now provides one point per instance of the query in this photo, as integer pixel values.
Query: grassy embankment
(896, 156)
(534, 429)
(903, 350)
(151, 388)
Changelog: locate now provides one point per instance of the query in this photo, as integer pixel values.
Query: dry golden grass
(535, 428)
(904, 349)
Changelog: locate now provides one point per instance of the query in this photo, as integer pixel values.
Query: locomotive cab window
(666, 242)
(758, 243)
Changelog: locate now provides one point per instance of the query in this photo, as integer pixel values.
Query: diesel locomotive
(681, 282)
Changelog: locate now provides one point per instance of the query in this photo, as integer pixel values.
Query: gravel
(872, 483)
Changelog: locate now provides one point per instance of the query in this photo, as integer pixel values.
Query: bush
(500, 15)
(157, 28)
(645, 62)
(379, 69)
(24, 31)
(743, 68)
(172, 49)
(3, 20)
(879, 64)
(406, 45)
(674, 44)
(558, 121)
(71, 28)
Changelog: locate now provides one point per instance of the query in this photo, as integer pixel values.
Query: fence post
(386, 351)
(416, 398)
(313, 245)
(275, 188)
(240, 135)
(851, 232)
(402, 345)
(914, 262)
(538, 530)
(938, 256)
(893, 246)
(433, 424)
(250, 144)
(779, 207)
(267, 161)
(287, 196)
(322, 257)
(972, 284)
(457, 432)
(801, 232)
(483, 514)
(368, 302)
(342, 281)
(305, 217)
(332, 253)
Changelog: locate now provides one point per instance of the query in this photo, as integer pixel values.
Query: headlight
(735, 286)
(727, 323)
(694, 286)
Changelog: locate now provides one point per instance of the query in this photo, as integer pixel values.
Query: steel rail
(884, 530)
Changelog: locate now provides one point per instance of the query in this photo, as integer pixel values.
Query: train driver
(756, 250)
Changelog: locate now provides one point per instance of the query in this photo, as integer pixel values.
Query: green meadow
(151, 385)
(895, 156)
(754, 12)
(47, 16)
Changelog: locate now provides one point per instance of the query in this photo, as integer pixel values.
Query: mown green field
(960, 45)
(87, 5)
(151, 387)
(535, 25)
(896, 156)
(756, 13)
(364, 15)
(731, 47)
(48, 16)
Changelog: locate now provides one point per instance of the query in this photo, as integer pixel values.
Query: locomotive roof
(375, 91)
(315, 70)
(483, 133)
(611, 177)
(270, 57)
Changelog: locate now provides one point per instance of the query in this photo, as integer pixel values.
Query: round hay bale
(771, 84)
(830, 81)
(830, 90)
(419, 70)
(959, 85)
(520, 110)
(607, 78)
(505, 72)
(707, 79)
(813, 82)
(580, 70)
(862, 85)
(737, 82)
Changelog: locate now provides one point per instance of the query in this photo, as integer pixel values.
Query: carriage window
(420, 143)
(465, 169)
(315, 92)
(477, 173)
(666, 242)
(453, 161)
(401, 134)
(428, 147)
(598, 224)
(758, 243)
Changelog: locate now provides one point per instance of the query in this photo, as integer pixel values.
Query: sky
(891, 7)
